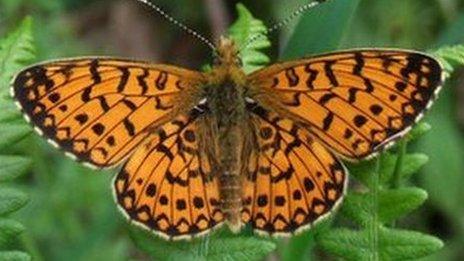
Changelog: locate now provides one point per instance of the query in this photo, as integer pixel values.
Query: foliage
(15, 50)
(243, 31)
(451, 56)
(375, 210)
(221, 246)
(321, 29)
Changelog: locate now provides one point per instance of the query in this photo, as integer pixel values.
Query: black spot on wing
(141, 79)
(124, 78)
(328, 121)
(129, 126)
(359, 59)
(330, 73)
(94, 71)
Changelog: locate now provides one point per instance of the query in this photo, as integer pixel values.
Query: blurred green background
(71, 214)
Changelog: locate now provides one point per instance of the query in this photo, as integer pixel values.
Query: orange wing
(293, 181)
(355, 102)
(98, 109)
(166, 186)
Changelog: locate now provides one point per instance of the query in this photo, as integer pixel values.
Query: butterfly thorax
(226, 100)
(227, 64)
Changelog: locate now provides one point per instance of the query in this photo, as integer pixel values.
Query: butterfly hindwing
(355, 102)
(167, 185)
(292, 180)
(98, 110)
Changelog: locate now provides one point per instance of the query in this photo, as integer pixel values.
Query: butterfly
(203, 149)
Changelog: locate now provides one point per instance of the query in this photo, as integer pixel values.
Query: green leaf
(245, 28)
(11, 200)
(15, 51)
(12, 133)
(363, 171)
(250, 248)
(14, 256)
(13, 166)
(214, 248)
(299, 247)
(392, 204)
(8, 113)
(419, 130)
(445, 145)
(8, 110)
(9, 229)
(387, 166)
(357, 207)
(412, 164)
(392, 244)
(399, 244)
(321, 29)
(451, 56)
(395, 203)
(349, 244)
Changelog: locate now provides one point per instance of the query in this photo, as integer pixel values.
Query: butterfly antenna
(179, 24)
(284, 22)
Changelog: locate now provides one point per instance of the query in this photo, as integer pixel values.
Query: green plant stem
(298, 248)
(374, 225)
(31, 246)
(203, 248)
(396, 179)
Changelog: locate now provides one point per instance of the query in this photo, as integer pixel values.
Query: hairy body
(225, 93)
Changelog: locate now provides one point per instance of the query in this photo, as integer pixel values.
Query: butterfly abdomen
(228, 110)
(230, 181)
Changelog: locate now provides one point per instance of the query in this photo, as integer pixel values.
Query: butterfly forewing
(292, 180)
(99, 110)
(355, 102)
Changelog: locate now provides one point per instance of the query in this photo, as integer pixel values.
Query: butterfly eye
(239, 61)
(216, 61)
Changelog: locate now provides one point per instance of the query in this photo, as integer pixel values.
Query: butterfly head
(227, 54)
(227, 65)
